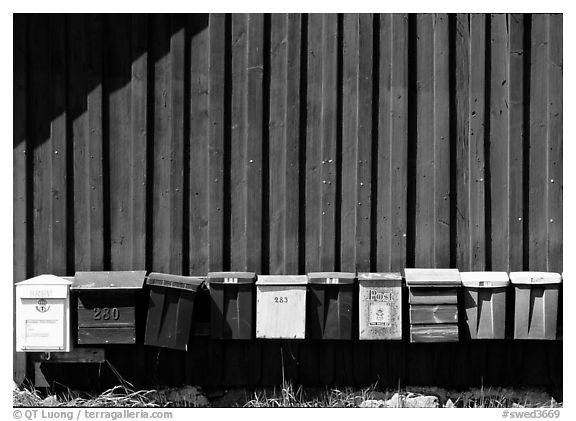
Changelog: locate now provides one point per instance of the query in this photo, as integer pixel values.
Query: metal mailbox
(281, 306)
(43, 314)
(232, 304)
(107, 305)
(330, 304)
(485, 303)
(536, 304)
(380, 306)
(433, 300)
(170, 310)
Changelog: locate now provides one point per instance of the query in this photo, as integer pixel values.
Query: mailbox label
(379, 314)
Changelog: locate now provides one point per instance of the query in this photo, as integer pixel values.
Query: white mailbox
(43, 314)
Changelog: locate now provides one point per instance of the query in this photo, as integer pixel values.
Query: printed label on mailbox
(40, 328)
(379, 313)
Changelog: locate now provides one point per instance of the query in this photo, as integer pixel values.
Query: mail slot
(536, 304)
(485, 303)
(170, 310)
(281, 306)
(380, 299)
(330, 305)
(43, 314)
(433, 300)
(232, 304)
(107, 305)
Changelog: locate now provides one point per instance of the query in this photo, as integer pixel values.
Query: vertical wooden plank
(216, 139)
(539, 141)
(284, 142)
(356, 142)
(499, 144)
(119, 154)
(20, 171)
(200, 182)
(433, 169)
(516, 137)
(392, 143)
(168, 150)
(39, 118)
(555, 139)
(246, 172)
(49, 139)
(139, 121)
(471, 120)
(85, 105)
(321, 142)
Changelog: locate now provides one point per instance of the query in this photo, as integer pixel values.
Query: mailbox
(281, 306)
(380, 296)
(433, 300)
(43, 314)
(107, 305)
(170, 310)
(485, 303)
(536, 304)
(329, 312)
(232, 304)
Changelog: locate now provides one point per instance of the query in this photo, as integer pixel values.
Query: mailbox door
(106, 317)
(281, 311)
(330, 311)
(380, 310)
(169, 320)
(536, 311)
(43, 324)
(231, 312)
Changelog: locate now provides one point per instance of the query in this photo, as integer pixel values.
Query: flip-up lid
(43, 286)
(130, 279)
(484, 279)
(231, 277)
(432, 277)
(379, 276)
(45, 280)
(535, 278)
(331, 277)
(174, 281)
(282, 280)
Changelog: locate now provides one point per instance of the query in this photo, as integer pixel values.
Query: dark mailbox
(170, 310)
(330, 302)
(232, 304)
(107, 304)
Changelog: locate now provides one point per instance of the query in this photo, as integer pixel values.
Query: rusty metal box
(536, 304)
(380, 306)
(107, 306)
(232, 304)
(433, 300)
(281, 306)
(330, 305)
(170, 310)
(43, 314)
(485, 304)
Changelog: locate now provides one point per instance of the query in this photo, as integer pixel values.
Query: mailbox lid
(175, 281)
(130, 279)
(288, 280)
(222, 277)
(482, 279)
(43, 286)
(394, 277)
(535, 278)
(432, 277)
(329, 277)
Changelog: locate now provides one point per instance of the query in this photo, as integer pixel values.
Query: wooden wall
(289, 144)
